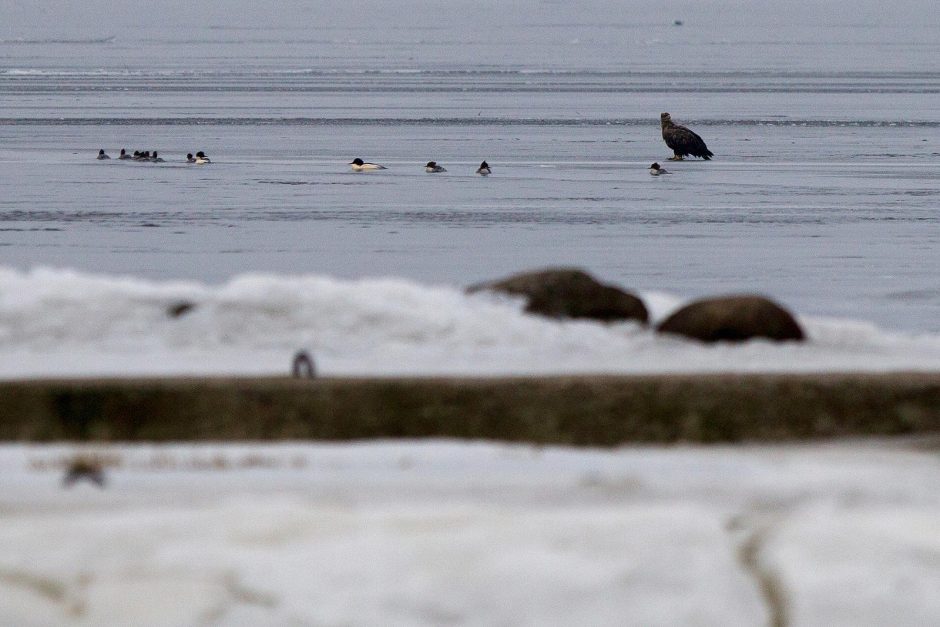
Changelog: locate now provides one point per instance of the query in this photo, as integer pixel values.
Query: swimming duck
(358, 165)
(101, 155)
(155, 158)
(484, 169)
(142, 156)
(190, 158)
(432, 167)
(201, 158)
(656, 169)
(124, 154)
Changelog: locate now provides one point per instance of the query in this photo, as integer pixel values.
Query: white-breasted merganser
(432, 167)
(102, 155)
(124, 154)
(484, 169)
(358, 165)
(656, 169)
(201, 158)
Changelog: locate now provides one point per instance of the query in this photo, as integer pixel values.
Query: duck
(155, 158)
(202, 159)
(102, 155)
(656, 169)
(484, 169)
(142, 156)
(190, 158)
(124, 155)
(432, 167)
(358, 165)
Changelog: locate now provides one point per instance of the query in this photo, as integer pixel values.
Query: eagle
(682, 141)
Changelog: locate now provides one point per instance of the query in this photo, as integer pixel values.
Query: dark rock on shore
(569, 293)
(733, 319)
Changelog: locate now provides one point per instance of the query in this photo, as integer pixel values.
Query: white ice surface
(439, 532)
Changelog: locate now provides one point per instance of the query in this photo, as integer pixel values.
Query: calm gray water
(824, 191)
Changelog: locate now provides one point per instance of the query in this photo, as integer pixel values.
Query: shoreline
(596, 410)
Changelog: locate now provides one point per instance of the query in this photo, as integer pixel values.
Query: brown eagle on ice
(683, 141)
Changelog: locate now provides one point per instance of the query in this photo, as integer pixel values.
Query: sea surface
(824, 192)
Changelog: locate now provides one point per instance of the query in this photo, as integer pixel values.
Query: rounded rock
(569, 293)
(733, 319)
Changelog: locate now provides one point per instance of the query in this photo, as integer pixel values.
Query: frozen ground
(473, 534)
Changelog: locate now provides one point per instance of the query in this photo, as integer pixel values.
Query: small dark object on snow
(87, 468)
(303, 366)
(179, 309)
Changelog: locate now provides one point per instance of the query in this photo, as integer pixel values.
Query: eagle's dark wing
(683, 141)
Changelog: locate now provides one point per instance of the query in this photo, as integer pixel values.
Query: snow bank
(61, 322)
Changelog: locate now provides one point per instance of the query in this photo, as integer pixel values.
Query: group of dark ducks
(683, 142)
(432, 167)
(199, 158)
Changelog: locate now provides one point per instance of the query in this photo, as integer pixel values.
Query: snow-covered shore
(64, 323)
(438, 532)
